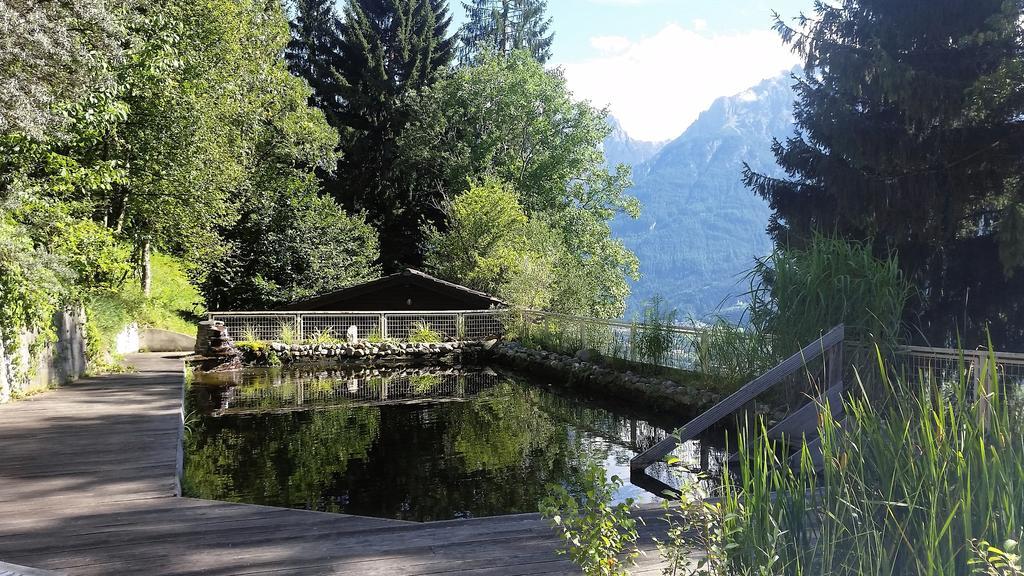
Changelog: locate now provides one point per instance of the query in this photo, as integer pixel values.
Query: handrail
(953, 353)
(614, 323)
(353, 312)
(833, 339)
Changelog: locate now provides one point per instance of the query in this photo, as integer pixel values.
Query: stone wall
(360, 353)
(57, 363)
(585, 372)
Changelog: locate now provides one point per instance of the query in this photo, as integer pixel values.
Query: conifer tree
(909, 136)
(388, 49)
(502, 26)
(314, 52)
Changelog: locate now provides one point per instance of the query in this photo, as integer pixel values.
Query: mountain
(620, 148)
(700, 228)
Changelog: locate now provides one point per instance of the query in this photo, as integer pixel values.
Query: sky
(658, 63)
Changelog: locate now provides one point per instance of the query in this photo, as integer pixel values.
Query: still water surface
(412, 445)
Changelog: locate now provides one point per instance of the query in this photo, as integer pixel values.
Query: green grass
(174, 304)
(422, 333)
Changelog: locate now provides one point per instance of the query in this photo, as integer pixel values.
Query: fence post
(383, 326)
(460, 326)
(834, 366)
(298, 328)
(981, 389)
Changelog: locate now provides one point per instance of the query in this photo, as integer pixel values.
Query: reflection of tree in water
(283, 459)
(502, 427)
(517, 429)
(494, 453)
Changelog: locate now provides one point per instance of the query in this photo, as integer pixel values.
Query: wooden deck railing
(830, 345)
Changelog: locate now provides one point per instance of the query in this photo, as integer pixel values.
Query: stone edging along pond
(656, 391)
(362, 352)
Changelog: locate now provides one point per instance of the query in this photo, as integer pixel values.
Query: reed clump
(930, 482)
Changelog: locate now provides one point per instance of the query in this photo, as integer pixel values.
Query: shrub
(600, 537)
(422, 333)
(798, 293)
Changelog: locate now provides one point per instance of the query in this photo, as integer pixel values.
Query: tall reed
(653, 340)
(797, 293)
(730, 354)
(912, 487)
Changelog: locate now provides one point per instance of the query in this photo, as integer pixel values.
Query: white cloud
(656, 86)
(700, 24)
(608, 45)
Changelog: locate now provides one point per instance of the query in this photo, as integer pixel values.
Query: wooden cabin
(407, 290)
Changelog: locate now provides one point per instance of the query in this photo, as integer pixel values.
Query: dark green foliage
(504, 26)
(388, 49)
(314, 53)
(289, 247)
(908, 136)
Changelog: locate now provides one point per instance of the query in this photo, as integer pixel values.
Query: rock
(352, 335)
(588, 355)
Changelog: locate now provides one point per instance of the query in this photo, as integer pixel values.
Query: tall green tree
(471, 125)
(51, 54)
(314, 53)
(504, 26)
(389, 49)
(909, 136)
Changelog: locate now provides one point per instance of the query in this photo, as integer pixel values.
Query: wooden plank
(16, 570)
(803, 423)
(737, 399)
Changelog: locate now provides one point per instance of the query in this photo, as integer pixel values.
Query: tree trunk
(145, 268)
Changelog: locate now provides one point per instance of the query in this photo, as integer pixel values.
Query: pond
(408, 444)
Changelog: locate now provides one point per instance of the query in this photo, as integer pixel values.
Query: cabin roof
(407, 278)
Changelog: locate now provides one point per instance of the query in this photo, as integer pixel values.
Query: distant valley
(700, 228)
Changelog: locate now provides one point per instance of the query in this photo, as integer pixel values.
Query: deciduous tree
(509, 119)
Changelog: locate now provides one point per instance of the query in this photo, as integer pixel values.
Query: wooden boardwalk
(88, 485)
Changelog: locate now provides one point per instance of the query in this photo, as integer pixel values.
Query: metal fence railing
(297, 327)
(946, 365)
(676, 345)
(666, 345)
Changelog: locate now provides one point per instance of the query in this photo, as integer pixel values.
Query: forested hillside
(700, 227)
